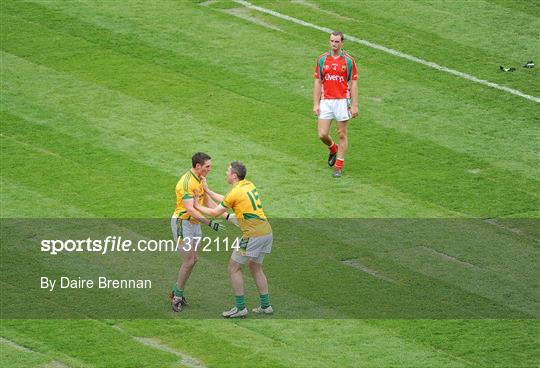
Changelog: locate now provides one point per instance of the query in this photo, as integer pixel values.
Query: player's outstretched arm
(209, 202)
(214, 212)
(196, 211)
(215, 196)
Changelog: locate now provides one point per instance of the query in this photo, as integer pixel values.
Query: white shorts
(253, 249)
(334, 109)
(188, 231)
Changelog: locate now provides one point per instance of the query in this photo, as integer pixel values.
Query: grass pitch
(103, 103)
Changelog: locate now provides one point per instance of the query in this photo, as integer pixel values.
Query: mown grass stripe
(185, 359)
(136, 31)
(142, 149)
(420, 157)
(394, 52)
(471, 130)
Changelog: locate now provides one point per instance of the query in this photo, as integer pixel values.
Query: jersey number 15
(255, 199)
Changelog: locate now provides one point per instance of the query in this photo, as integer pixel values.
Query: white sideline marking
(51, 364)
(356, 264)
(15, 345)
(474, 171)
(185, 360)
(508, 228)
(243, 13)
(208, 3)
(54, 364)
(316, 7)
(445, 256)
(392, 52)
(153, 343)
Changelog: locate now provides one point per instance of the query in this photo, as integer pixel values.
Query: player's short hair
(199, 158)
(239, 169)
(340, 34)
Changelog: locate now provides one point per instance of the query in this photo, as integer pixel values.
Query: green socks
(240, 302)
(177, 292)
(265, 301)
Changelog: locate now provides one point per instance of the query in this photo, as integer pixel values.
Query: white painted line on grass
(445, 256)
(316, 7)
(208, 3)
(243, 13)
(392, 52)
(354, 263)
(54, 364)
(508, 228)
(14, 345)
(185, 360)
(153, 343)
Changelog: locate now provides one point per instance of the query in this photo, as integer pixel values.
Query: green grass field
(425, 254)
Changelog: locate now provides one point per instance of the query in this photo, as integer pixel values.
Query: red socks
(339, 161)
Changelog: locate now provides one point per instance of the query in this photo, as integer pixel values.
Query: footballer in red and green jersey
(335, 73)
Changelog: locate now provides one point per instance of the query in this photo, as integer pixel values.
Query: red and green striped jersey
(335, 72)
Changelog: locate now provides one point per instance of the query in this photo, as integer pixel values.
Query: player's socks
(333, 148)
(240, 302)
(339, 163)
(177, 292)
(265, 300)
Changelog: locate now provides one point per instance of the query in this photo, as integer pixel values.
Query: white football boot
(235, 313)
(261, 310)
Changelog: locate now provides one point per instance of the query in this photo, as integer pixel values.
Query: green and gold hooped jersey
(188, 183)
(245, 201)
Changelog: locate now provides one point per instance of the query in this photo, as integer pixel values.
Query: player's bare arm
(354, 97)
(193, 212)
(208, 201)
(317, 88)
(215, 196)
(214, 212)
